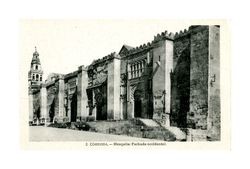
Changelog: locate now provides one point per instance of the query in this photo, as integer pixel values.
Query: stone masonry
(174, 79)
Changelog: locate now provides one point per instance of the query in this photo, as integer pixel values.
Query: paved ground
(40, 133)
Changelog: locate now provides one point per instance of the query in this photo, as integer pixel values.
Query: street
(40, 133)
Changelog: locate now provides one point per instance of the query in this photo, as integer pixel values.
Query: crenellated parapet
(191, 29)
(159, 37)
(163, 36)
(181, 34)
(140, 48)
(104, 59)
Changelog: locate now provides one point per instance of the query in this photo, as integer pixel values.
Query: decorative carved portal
(97, 101)
(101, 102)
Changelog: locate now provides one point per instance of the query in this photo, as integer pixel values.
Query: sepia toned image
(164, 89)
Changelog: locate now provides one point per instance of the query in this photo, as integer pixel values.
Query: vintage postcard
(125, 83)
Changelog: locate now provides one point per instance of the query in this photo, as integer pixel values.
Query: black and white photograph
(102, 80)
(124, 84)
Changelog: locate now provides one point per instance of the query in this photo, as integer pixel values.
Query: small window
(36, 67)
(33, 77)
(41, 79)
(159, 58)
(37, 76)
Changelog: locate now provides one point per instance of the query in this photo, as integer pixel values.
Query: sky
(64, 45)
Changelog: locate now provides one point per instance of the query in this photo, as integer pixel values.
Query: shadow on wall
(180, 89)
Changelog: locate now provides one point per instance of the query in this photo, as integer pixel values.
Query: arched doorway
(73, 108)
(52, 111)
(137, 103)
(100, 113)
(101, 102)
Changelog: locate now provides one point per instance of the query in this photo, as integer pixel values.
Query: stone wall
(43, 104)
(181, 77)
(197, 115)
(62, 111)
(123, 95)
(162, 67)
(214, 84)
(56, 101)
(82, 100)
(123, 87)
(195, 80)
(158, 78)
(51, 93)
(113, 89)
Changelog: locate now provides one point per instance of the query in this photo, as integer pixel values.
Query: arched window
(36, 67)
(41, 79)
(140, 68)
(37, 77)
(33, 77)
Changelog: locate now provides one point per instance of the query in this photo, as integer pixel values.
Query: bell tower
(35, 76)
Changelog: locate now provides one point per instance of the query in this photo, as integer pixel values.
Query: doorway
(73, 108)
(52, 111)
(38, 113)
(137, 104)
(101, 102)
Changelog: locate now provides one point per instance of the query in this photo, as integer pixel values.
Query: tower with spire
(35, 76)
